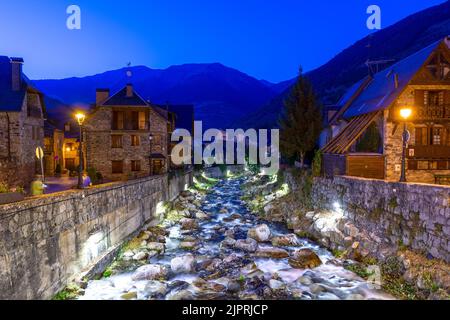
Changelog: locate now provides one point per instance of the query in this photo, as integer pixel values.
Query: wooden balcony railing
(426, 113)
(429, 152)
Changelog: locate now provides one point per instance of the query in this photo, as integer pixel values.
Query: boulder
(285, 240)
(129, 295)
(201, 215)
(304, 259)
(248, 245)
(188, 245)
(140, 256)
(270, 252)
(150, 272)
(188, 224)
(260, 233)
(276, 284)
(156, 246)
(183, 264)
(154, 289)
(182, 295)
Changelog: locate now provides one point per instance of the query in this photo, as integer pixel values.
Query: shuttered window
(117, 166)
(421, 136)
(116, 141)
(135, 165)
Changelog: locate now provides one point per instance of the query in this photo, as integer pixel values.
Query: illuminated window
(135, 140)
(437, 136)
(142, 122)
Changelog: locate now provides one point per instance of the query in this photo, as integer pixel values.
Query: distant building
(364, 138)
(21, 124)
(125, 136)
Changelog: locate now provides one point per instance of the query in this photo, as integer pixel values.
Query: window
(156, 140)
(116, 141)
(142, 122)
(433, 98)
(422, 165)
(117, 166)
(421, 136)
(135, 165)
(118, 120)
(135, 140)
(436, 135)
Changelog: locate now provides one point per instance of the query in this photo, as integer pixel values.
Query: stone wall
(387, 214)
(46, 241)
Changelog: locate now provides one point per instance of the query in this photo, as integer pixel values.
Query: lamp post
(150, 138)
(405, 113)
(80, 119)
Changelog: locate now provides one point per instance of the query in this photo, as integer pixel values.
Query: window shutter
(419, 97)
(419, 136)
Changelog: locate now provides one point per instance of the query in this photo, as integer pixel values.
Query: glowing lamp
(405, 113)
(80, 118)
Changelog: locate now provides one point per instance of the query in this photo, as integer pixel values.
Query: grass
(71, 292)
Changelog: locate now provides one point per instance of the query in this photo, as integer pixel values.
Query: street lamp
(405, 113)
(80, 119)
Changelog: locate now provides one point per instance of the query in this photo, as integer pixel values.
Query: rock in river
(285, 241)
(270, 252)
(188, 224)
(183, 264)
(155, 289)
(150, 272)
(248, 245)
(260, 233)
(304, 258)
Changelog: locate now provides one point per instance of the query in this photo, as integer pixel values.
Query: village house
(125, 136)
(364, 137)
(21, 124)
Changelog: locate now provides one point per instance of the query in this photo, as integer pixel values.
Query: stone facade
(20, 133)
(46, 241)
(102, 151)
(393, 144)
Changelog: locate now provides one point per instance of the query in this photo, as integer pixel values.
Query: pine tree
(301, 120)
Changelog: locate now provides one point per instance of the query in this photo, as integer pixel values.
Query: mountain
(333, 78)
(220, 94)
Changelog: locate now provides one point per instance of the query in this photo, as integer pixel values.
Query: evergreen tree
(301, 120)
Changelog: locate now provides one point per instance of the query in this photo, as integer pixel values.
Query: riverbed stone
(188, 224)
(304, 258)
(155, 289)
(183, 264)
(248, 245)
(285, 240)
(271, 252)
(156, 246)
(150, 272)
(260, 233)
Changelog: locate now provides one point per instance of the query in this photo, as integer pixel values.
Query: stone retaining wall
(390, 214)
(46, 241)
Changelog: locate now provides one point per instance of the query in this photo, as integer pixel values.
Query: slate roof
(10, 100)
(120, 99)
(381, 92)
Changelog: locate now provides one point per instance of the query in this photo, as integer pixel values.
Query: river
(214, 268)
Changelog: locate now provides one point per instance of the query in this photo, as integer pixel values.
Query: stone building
(21, 124)
(125, 136)
(365, 135)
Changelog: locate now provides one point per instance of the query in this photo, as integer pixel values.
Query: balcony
(433, 112)
(429, 152)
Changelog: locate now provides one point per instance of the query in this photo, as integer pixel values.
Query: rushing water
(328, 281)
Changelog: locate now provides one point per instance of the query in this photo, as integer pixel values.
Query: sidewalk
(59, 184)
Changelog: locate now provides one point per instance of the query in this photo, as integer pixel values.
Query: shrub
(93, 175)
(317, 164)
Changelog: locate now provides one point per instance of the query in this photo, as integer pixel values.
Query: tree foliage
(301, 120)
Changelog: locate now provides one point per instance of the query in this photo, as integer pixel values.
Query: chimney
(16, 73)
(129, 90)
(101, 95)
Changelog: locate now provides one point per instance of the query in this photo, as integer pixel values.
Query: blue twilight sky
(267, 39)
